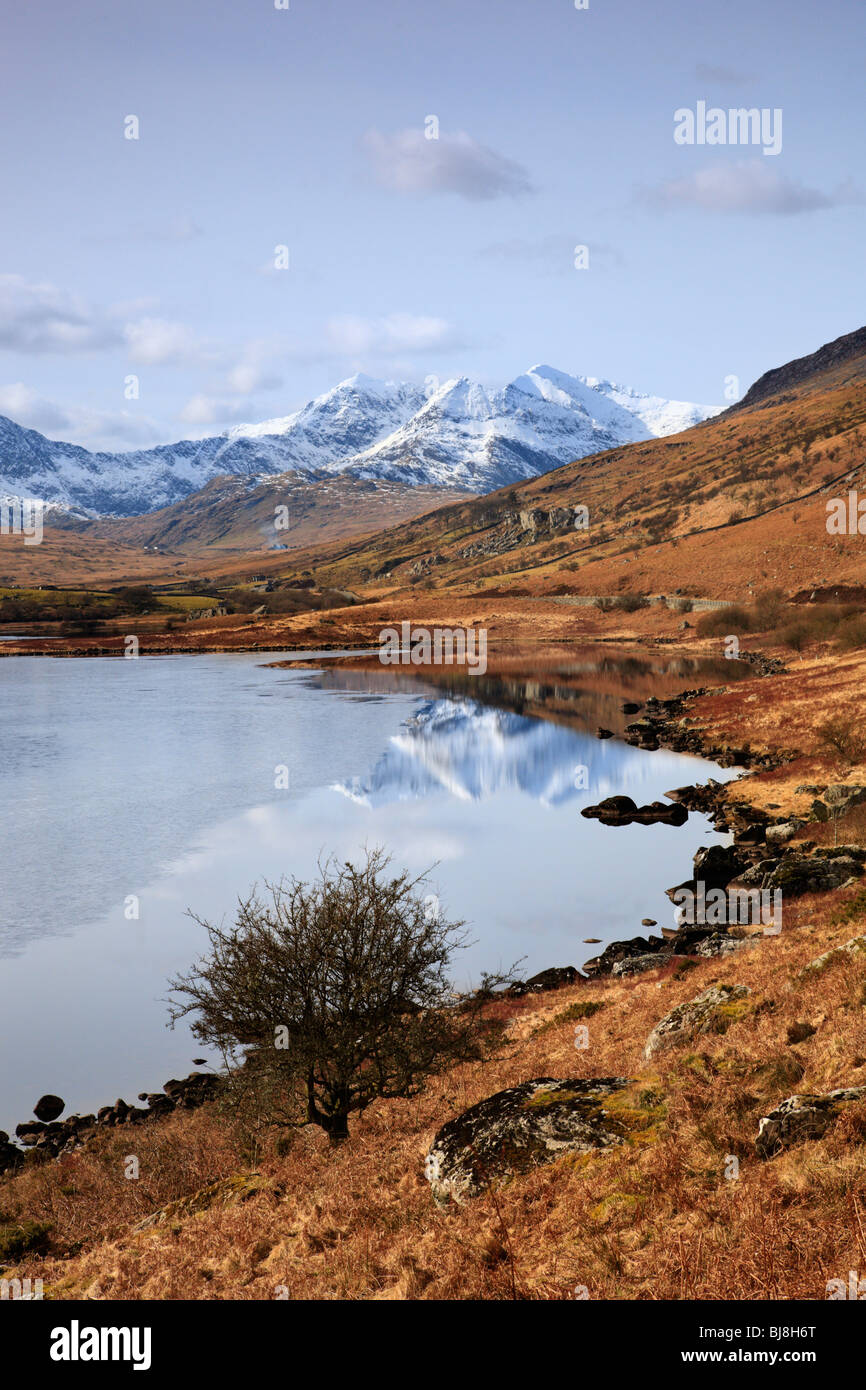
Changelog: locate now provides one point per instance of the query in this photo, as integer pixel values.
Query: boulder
(711, 1012)
(716, 865)
(621, 810)
(10, 1155)
(49, 1107)
(554, 978)
(802, 1117)
(517, 1129)
(721, 944)
(636, 965)
(855, 947)
(781, 834)
(621, 950)
(796, 873)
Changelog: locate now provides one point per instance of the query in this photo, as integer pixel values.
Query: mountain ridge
(460, 436)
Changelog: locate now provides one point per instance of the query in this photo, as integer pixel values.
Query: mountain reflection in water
(472, 752)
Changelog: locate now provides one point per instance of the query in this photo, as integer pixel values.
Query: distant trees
(135, 599)
(335, 992)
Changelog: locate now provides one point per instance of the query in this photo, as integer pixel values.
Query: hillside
(733, 504)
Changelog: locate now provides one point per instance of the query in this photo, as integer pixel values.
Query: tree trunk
(335, 1124)
(338, 1128)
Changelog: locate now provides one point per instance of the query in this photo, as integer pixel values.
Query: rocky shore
(48, 1137)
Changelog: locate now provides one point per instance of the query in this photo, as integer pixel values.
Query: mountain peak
(463, 435)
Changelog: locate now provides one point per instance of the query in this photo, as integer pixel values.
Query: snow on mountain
(459, 748)
(463, 435)
(482, 440)
(661, 417)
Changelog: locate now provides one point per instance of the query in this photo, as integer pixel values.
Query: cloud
(396, 333)
(253, 372)
(749, 187)
(407, 162)
(203, 409)
(36, 316)
(158, 342)
(95, 429)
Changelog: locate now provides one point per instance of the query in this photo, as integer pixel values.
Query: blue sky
(412, 257)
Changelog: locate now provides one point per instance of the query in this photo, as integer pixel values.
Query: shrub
(23, 1238)
(840, 736)
(336, 992)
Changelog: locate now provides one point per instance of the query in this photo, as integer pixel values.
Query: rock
(614, 810)
(648, 922)
(49, 1107)
(621, 950)
(225, 1192)
(29, 1131)
(855, 947)
(842, 798)
(720, 944)
(802, 1117)
(716, 865)
(10, 1155)
(799, 1032)
(515, 1130)
(781, 834)
(631, 708)
(711, 1012)
(820, 812)
(554, 978)
(621, 810)
(603, 733)
(636, 965)
(796, 873)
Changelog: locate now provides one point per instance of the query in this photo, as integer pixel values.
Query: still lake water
(156, 779)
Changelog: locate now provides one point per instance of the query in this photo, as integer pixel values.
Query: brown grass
(655, 1219)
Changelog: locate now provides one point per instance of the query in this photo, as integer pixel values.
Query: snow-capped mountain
(460, 748)
(461, 436)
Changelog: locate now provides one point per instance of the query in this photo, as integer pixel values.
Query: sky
(428, 169)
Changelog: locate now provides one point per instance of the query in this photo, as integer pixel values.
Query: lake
(136, 790)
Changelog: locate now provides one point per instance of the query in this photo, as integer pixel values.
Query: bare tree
(338, 990)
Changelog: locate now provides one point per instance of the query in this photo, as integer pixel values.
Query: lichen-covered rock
(781, 834)
(225, 1192)
(711, 1012)
(520, 1128)
(855, 947)
(802, 1117)
(622, 950)
(797, 873)
(636, 965)
(721, 944)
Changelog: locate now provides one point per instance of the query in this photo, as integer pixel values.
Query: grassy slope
(654, 1219)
